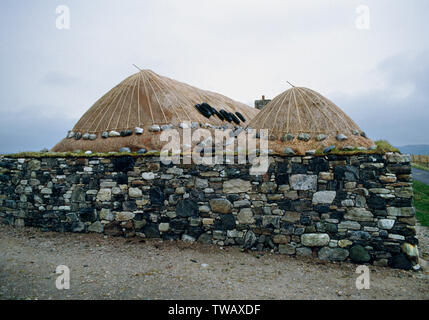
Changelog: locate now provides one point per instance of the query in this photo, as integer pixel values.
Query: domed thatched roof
(304, 120)
(143, 100)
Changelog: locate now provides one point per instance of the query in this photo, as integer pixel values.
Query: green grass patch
(417, 166)
(384, 146)
(421, 202)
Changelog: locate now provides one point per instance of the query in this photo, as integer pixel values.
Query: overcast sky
(243, 49)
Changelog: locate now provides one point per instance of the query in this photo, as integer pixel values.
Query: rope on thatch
(147, 98)
(317, 106)
(278, 109)
(332, 108)
(301, 110)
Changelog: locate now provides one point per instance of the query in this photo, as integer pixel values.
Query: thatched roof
(303, 120)
(143, 100)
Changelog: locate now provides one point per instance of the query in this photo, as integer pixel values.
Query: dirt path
(116, 268)
(421, 175)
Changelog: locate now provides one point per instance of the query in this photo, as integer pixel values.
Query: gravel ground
(117, 268)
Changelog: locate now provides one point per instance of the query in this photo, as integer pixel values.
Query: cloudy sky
(243, 49)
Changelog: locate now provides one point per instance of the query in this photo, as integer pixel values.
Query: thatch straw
(142, 100)
(304, 111)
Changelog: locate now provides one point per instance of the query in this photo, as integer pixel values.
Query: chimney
(263, 98)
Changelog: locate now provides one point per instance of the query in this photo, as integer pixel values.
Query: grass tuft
(421, 202)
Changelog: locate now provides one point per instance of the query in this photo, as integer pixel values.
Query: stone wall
(355, 208)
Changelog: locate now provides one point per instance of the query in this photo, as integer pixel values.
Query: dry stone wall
(339, 208)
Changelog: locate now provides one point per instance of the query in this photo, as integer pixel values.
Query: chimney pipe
(263, 98)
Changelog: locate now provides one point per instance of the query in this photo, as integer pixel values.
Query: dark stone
(249, 239)
(301, 205)
(156, 196)
(359, 254)
(298, 168)
(321, 208)
(194, 231)
(187, 208)
(347, 173)
(318, 164)
(123, 164)
(376, 203)
(305, 220)
(78, 195)
(285, 205)
(88, 215)
(331, 228)
(368, 175)
(358, 235)
(232, 173)
(228, 221)
(197, 195)
(178, 224)
(282, 179)
(401, 202)
(113, 229)
(151, 231)
(129, 206)
(282, 167)
(121, 178)
(339, 215)
(400, 262)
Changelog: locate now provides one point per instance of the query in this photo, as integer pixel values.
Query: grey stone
(304, 252)
(324, 197)
(386, 224)
(138, 130)
(303, 182)
(245, 216)
(320, 137)
(96, 227)
(114, 134)
(125, 150)
(288, 151)
(328, 149)
(333, 254)
(249, 240)
(315, 239)
(142, 151)
(287, 137)
(155, 128)
(288, 249)
(304, 137)
(359, 214)
(135, 193)
(341, 137)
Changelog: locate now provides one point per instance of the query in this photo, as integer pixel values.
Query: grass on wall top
(383, 146)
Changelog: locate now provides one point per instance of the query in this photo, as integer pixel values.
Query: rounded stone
(138, 130)
(359, 254)
(341, 137)
(304, 137)
(125, 150)
(288, 151)
(221, 205)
